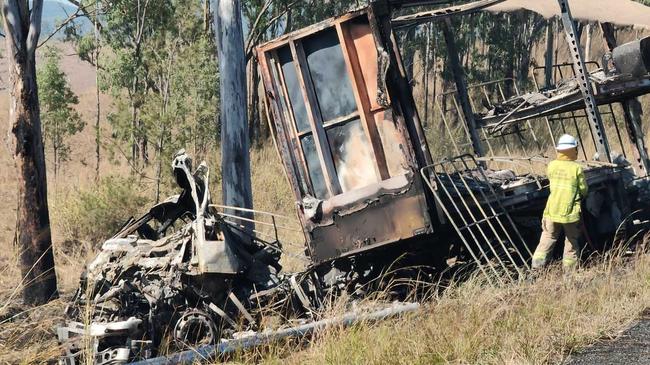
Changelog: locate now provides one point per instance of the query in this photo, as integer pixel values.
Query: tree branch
(12, 17)
(254, 38)
(253, 30)
(70, 18)
(88, 14)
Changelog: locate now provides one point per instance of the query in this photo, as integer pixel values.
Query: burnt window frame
(364, 111)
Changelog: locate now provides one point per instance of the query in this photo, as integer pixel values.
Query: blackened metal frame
(473, 208)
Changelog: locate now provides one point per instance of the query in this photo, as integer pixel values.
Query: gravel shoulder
(632, 346)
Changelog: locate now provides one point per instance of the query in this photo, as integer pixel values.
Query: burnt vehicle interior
(373, 194)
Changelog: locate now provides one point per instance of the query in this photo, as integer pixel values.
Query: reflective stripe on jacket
(568, 188)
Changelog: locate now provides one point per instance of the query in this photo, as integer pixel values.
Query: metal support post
(593, 114)
(461, 87)
(633, 110)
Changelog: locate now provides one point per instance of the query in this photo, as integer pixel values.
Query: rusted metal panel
(393, 142)
(396, 84)
(281, 139)
(370, 156)
(351, 52)
(390, 218)
(314, 117)
(304, 32)
(366, 52)
(290, 124)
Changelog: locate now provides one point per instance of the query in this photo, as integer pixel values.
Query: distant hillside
(56, 11)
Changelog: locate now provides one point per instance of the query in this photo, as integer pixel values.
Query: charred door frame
(318, 127)
(397, 100)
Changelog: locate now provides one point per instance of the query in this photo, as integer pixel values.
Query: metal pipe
(205, 352)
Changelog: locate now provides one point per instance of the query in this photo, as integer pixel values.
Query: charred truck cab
(348, 133)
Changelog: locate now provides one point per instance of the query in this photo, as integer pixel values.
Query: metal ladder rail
(487, 201)
(475, 222)
(495, 198)
(495, 214)
(458, 229)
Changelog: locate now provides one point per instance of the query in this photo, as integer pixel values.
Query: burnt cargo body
(348, 133)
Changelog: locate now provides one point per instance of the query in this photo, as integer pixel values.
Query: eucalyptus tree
(235, 158)
(22, 25)
(60, 120)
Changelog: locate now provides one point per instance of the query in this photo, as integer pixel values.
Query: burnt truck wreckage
(374, 205)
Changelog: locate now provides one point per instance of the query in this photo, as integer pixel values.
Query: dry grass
(527, 323)
(537, 322)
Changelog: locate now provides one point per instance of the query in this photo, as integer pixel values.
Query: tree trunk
(207, 15)
(609, 32)
(425, 75)
(22, 30)
(134, 126)
(590, 32)
(97, 101)
(409, 53)
(524, 66)
(254, 132)
(235, 159)
(548, 59)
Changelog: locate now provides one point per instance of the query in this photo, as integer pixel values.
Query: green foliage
(59, 118)
(490, 46)
(157, 60)
(95, 214)
(159, 66)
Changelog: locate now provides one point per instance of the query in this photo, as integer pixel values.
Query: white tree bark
(235, 159)
(33, 236)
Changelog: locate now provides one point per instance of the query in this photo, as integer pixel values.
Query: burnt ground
(632, 346)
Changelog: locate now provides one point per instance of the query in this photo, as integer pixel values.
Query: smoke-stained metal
(363, 135)
(442, 14)
(375, 207)
(633, 58)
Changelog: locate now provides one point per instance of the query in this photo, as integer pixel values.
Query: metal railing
(276, 223)
(472, 206)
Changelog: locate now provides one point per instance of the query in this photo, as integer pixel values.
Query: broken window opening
(352, 155)
(293, 89)
(329, 75)
(340, 86)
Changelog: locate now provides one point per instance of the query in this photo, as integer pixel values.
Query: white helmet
(566, 142)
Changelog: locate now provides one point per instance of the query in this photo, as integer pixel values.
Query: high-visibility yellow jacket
(568, 188)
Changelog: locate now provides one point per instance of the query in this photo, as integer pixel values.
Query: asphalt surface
(631, 347)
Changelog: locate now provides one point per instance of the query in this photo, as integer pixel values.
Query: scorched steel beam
(591, 107)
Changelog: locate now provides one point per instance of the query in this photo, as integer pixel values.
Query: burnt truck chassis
(184, 276)
(377, 212)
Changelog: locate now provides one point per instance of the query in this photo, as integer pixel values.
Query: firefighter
(562, 213)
